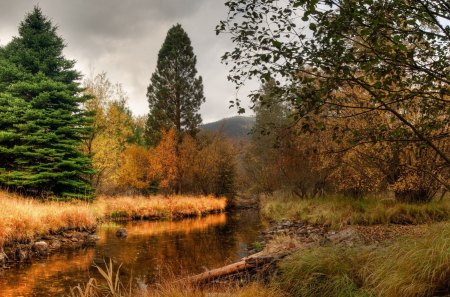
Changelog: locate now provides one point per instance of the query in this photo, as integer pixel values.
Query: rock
(22, 255)
(3, 259)
(315, 237)
(346, 235)
(54, 245)
(41, 248)
(92, 238)
(122, 232)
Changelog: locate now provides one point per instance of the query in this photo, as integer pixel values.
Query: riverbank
(359, 247)
(402, 266)
(58, 225)
(350, 247)
(340, 263)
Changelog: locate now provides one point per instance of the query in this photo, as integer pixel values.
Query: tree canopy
(43, 123)
(321, 52)
(175, 92)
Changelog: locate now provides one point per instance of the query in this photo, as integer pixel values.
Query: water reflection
(151, 251)
(46, 278)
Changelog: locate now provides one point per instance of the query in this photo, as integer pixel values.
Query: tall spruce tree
(175, 92)
(42, 122)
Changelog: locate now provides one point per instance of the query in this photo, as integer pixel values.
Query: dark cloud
(123, 38)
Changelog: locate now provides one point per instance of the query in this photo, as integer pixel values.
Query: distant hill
(237, 127)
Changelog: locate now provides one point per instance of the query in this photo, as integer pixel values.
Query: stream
(153, 250)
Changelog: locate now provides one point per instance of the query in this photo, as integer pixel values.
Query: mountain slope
(237, 127)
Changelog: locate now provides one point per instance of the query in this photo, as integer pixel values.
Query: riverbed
(153, 250)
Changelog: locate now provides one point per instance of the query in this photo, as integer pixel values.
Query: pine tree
(42, 121)
(175, 92)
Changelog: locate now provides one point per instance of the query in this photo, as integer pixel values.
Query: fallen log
(251, 262)
(220, 272)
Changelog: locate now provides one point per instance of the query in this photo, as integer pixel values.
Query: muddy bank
(43, 246)
(303, 233)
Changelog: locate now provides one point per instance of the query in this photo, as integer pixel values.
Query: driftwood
(254, 261)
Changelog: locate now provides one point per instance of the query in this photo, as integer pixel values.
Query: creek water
(152, 251)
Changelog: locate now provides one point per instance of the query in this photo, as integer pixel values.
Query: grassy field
(22, 219)
(338, 212)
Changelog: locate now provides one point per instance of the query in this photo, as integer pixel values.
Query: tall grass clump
(22, 219)
(338, 212)
(324, 271)
(407, 267)
(412, 266)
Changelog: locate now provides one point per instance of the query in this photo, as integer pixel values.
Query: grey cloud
(123, 38)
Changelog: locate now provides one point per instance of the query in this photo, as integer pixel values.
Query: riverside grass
(409, 266)
(22, 219)
(338, 212)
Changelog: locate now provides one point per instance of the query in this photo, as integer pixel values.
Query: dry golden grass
(140, 207)
(22, 219)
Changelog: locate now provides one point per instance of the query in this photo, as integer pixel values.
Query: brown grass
(156, 207)
(23, 219)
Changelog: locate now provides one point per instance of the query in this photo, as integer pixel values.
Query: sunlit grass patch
(140, 207)
(22, 219)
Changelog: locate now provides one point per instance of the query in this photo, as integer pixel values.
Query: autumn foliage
(199, 166)
(348, 152)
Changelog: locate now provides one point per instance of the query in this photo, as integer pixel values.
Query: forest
(336, 184)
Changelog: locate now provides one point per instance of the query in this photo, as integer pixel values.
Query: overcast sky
(123, 37)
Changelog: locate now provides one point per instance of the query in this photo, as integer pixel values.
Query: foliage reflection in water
(152, 251)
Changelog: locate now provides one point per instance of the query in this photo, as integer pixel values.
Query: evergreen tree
(175, 92)
(42, 123)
